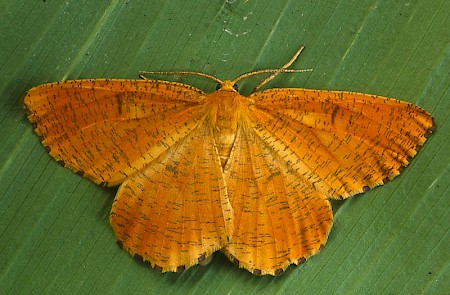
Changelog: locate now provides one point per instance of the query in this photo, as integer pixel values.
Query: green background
(55, 235)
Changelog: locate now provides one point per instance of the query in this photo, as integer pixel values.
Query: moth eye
(219, 86)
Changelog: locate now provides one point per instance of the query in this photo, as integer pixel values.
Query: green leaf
(54, 228)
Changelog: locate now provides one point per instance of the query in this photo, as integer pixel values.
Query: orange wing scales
(248, 175)
(338, 140)
(110, 129)
(176, 212)
(279, 218)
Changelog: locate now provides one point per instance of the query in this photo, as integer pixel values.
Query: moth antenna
(143, 73)
(287, 65)
(274, 72)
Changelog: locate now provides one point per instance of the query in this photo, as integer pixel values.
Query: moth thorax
(224, 120)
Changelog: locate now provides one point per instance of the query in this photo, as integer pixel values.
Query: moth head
(227, 85)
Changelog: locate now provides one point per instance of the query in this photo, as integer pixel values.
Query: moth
(250, 176)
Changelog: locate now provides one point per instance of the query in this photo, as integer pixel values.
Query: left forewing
(109, 129)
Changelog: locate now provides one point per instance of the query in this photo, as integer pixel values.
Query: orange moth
(250, 176)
